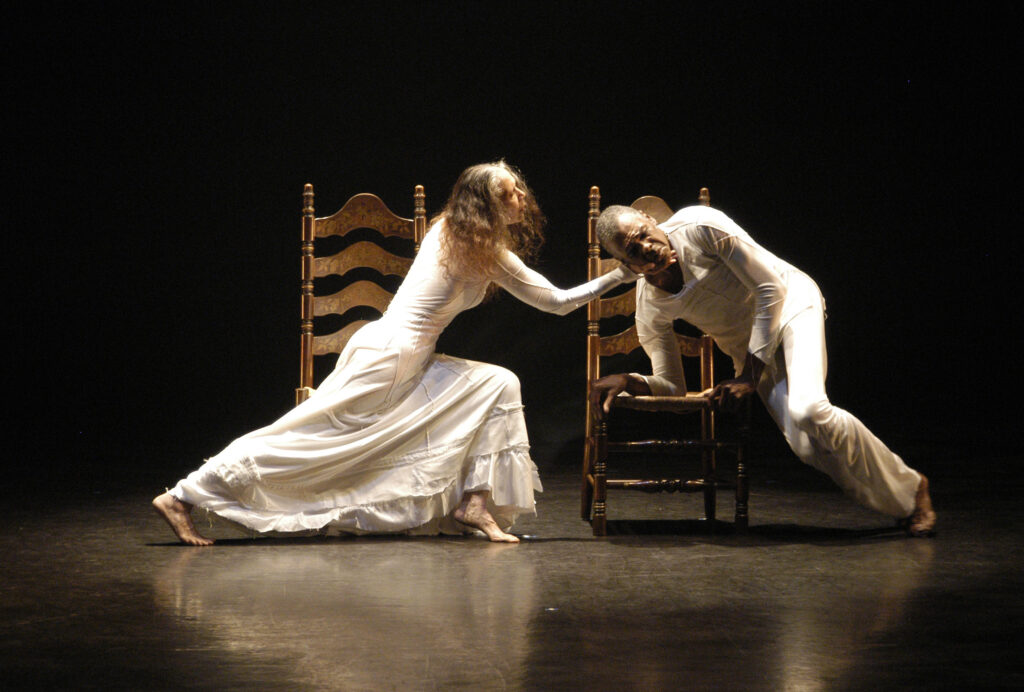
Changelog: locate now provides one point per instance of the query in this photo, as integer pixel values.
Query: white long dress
(396, 434)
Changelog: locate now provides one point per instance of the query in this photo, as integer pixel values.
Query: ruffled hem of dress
(510, 475)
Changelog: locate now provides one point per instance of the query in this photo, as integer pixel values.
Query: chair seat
(689, 403)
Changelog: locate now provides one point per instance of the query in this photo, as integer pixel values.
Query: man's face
(641, 245)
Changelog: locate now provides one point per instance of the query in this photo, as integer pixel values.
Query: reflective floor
(820, 595)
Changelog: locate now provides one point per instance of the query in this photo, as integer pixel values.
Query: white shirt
(733, 289)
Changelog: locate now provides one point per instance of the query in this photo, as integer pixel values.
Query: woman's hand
(625, 274)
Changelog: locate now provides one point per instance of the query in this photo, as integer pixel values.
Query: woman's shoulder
(435, 228)
(432, 237)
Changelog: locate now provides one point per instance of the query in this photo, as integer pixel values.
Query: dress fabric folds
(396, 434)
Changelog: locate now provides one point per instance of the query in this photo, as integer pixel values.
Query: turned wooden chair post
(419, 218)
(593, 355)
(709, 456)
(707, 380)
(306, 335)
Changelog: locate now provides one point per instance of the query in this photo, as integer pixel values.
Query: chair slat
(607, 264)
(362, 254)
(622, 304)
(655, 207)
(623, 342)
(359, 293)
(689, 346)
(365, 210)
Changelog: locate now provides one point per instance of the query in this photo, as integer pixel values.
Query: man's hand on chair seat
(728, 394)
(604, 390)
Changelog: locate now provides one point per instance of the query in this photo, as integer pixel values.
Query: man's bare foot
(922, 522)
(179, 515)
(473, 512)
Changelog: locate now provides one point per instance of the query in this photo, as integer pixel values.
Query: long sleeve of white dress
(534, 289)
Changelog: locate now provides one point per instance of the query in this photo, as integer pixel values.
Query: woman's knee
(507, 381)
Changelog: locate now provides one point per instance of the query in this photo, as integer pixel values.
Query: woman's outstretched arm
(533, 289)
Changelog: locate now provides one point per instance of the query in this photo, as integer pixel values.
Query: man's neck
(668, 279)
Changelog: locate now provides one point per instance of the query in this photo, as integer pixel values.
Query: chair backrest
(624, 304)
(363, 211)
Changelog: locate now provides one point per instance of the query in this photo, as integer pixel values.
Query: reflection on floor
(821, 595)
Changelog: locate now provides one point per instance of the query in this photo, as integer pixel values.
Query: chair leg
(742, 481)
(586, 489)
(708, 462)
(742, 492)
(599, 520)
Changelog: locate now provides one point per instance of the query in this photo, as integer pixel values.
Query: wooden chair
(703, 440)
(363, 211)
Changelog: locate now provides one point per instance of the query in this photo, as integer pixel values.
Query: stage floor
(819, 595)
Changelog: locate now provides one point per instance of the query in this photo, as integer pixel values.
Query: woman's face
(512, 197)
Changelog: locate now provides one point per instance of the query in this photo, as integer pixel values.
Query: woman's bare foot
(473, 512)
(922, 522)
(179, 515)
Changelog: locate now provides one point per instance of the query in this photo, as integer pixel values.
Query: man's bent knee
(812, 417)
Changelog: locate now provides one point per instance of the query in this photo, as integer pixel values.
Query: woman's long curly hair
(475, 224)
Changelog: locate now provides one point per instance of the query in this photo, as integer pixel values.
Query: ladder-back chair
(363, 211)
(703, 441)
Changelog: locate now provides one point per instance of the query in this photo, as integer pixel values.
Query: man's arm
(658, 339)
(654, 328)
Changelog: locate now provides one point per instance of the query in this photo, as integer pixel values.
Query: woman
(398, 438)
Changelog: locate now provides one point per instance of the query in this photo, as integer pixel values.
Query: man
(768, 316)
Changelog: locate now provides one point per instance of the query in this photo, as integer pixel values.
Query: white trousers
(822, 435)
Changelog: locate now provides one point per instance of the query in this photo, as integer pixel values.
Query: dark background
(157, 152)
